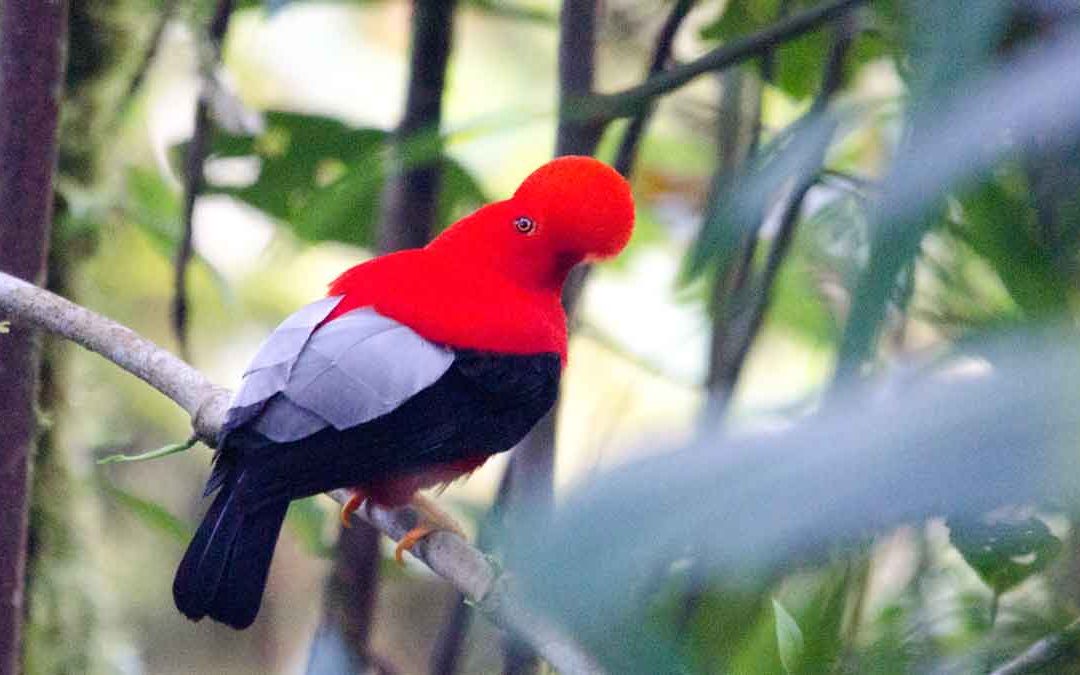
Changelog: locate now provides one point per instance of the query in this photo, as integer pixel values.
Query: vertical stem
(193, 175)
(32, 49)
(410, 200)
(577, 63)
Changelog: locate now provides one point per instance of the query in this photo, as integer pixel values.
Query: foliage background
(851, 292)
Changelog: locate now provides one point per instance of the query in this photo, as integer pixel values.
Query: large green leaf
(316, 173)
(1004, 552)
(324, 179)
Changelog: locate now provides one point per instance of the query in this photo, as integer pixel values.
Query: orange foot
(351, 506)
(432, 519)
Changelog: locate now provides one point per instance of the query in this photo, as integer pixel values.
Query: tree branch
(1039, 656)
(602, 108)
(749, 313)
(197, 151)
(665, 41)
(446, 554)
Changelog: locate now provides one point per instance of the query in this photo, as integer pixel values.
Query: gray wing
(353, 369)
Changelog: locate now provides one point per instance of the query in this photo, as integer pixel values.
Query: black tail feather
(223, 573)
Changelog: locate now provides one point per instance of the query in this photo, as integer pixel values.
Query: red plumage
(484, 285)
(419, 366)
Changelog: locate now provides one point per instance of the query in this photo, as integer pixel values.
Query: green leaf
(998, 226)
(152, 454)
(1004, 552)
(150, 513)
(324, 179)
(311, 170)
(154, 206)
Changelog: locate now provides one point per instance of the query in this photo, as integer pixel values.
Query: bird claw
(410, 539)
(350, 507)
(432, 519)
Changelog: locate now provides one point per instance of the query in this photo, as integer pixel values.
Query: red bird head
(569, 210)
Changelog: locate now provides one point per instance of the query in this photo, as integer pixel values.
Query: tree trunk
(32, 36)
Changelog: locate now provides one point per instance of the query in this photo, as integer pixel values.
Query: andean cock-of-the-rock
(416, 367)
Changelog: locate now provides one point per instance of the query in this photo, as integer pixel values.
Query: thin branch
(153, 46)
(750, 312)
(665, 42)
(1044, 653)
(194, 182)
(604, 107)
(33, 37)
(444, 553)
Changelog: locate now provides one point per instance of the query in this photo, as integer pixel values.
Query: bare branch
(446, 554)
(665, 41)
(749, 312)
(1044, 653)
(601, 108)
(193, 174)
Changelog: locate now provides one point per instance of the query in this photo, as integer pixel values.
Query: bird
(414, 369)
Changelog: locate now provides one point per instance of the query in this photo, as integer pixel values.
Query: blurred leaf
(150, 513)
(324, 179)
(799, 62)
(5, 327)
(1000, 229)
(740, 203)
(869, 461)
(308, 521)
(151, 454)
(797, 305)
(789, 638)
(315, 173)
(154, 206)
(1034, 99)
(1004, 552)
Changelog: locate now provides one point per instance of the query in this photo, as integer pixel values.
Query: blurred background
(856, 224)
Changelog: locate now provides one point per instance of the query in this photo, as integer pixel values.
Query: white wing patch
(359, 366)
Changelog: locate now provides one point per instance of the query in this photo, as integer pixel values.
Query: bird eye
(524, 225)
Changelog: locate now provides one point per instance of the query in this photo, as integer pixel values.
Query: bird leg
(351, 506)
(432, 519)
